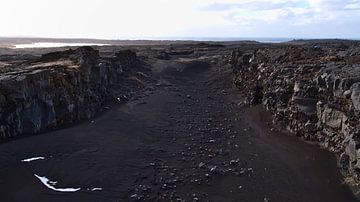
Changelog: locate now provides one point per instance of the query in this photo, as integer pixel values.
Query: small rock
(213, 169)
(347, 94)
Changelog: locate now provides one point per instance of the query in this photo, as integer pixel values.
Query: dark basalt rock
(59, 88)
(314, 92)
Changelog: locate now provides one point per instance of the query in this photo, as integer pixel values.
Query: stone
(344, 162)
(357, 165)
(355, 95)
(350, 150)
(305, 105)
(347, 94)
(332, 117)
(297, 87)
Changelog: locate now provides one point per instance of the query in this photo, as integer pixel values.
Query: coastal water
(54, 44)
(227, 39)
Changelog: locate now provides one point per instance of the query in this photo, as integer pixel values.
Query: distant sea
(258, 39)
(227, 39)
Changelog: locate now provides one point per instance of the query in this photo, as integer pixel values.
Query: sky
(137, 19)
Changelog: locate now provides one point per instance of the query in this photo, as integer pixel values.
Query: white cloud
(293, 12)
(149, 18)
(353, 6)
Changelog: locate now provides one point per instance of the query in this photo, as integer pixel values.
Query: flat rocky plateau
(183, 122)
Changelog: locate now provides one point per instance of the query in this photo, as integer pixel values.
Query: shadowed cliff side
(62, 88)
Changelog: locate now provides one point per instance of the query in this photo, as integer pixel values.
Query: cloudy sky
(119, 19)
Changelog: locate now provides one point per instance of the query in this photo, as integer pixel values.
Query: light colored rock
(357, 165)
(355, 95)
(297, 87)
(347, 94)
(332, 117)
(350, 149)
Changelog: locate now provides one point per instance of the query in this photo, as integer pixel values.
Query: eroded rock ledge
(62, 88)
(313, 91)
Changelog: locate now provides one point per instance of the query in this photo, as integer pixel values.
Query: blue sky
(119, 19)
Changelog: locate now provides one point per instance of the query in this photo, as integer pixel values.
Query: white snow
(50, 184)
(96, 189)
(33, 159)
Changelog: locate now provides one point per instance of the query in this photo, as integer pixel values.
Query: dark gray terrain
(183, 132)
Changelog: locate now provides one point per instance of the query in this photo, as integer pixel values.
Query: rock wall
(59, 88)
(312, 91)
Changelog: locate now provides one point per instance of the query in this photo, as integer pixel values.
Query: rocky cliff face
(60, 88)
(313, 91)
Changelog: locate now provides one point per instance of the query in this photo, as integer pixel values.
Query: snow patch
(50, 184)
(33, 159)
(96, 189)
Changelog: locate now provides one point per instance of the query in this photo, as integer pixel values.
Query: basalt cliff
(313, 91)
(63, 87)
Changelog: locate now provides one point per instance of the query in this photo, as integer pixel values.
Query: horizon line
(180, 38)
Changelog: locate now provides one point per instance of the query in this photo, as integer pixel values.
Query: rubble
(313, 91)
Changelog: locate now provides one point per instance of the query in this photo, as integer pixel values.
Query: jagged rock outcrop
(59, 88)
(313, 91)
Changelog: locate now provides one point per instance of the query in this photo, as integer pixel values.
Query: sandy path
(184, 139)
